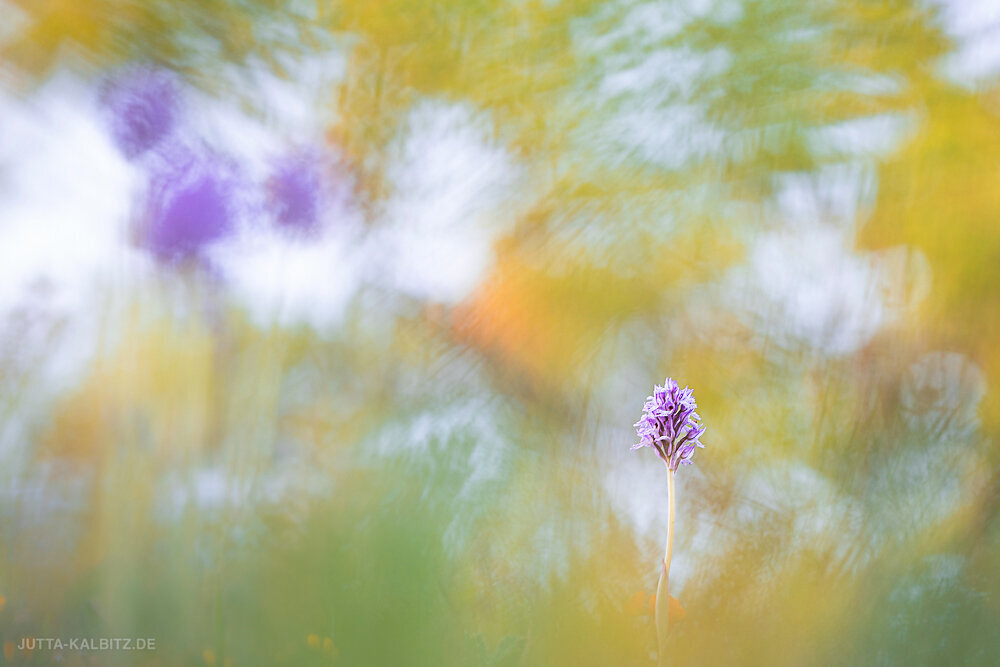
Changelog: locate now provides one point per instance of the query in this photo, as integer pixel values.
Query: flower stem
(662, 594)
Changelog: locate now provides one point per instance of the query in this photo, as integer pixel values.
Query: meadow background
(324, 325)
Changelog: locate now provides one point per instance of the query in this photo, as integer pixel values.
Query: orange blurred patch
(545, 310)
(540, 321)
(675, 612)
(636, 606)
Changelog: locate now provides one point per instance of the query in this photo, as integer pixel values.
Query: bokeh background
(324, 325)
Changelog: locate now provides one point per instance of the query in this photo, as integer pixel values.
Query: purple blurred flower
(670, 425)
(143, 108)
(191, 205)
(294, 190)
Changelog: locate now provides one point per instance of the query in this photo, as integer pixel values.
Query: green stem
(662, 594)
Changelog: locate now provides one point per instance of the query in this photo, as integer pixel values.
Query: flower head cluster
(143, 106)
(294, 189)
(670, 424)
(191, 206)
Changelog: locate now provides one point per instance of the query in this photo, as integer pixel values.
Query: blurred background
(324, 325)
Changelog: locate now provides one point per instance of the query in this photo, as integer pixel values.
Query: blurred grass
(429, 485)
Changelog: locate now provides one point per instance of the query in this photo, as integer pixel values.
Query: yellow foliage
(155, 389)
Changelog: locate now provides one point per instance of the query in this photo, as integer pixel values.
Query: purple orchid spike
(670, 424)
(143, 106)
